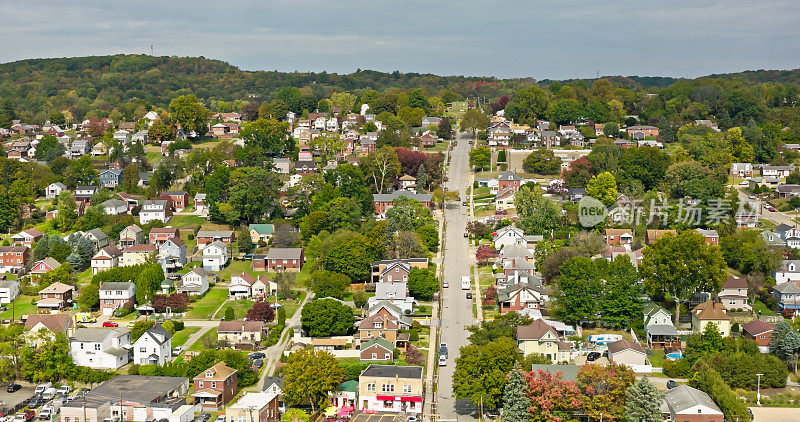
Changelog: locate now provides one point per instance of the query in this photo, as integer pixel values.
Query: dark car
(469, 295)
(671, 384)
(593, 356)
(13, 388)
(256, 355)
(203, 417)
(257, 363)
(34, 403)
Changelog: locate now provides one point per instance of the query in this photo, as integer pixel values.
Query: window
(142, 350)
(213, 384)
(406, 389)
(200, 384)
(374, 356)
(387, 388)
(388, 404)
(371, 387)
(97, 346)
(387, 356)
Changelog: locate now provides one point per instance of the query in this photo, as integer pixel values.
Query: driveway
(775, 414)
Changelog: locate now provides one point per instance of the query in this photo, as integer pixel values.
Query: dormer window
(209, 374)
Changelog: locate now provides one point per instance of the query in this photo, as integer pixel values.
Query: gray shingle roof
(391, 371)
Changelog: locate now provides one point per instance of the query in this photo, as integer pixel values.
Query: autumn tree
(261, 311)
(552, 398)
(380, 167)
(603, 388)
(480, 374)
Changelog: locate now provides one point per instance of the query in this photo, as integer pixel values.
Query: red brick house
(284, 259)
(427, 140)
(377, 349)
(215, 387)
(508, 179)
(178, 200)
(384, 201)
(159, 235)
(55, 296)
(206, 237)
(618, 236)
(13, 258)
(759, 331)
(712, 237)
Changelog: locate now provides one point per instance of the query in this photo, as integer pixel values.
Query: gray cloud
(542, 39)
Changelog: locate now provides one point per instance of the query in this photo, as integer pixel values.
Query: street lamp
(758, 394)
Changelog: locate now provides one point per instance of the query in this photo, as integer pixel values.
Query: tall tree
(516, 403)
(480, 158)
(381, 167)
(643, 402)
(253, 193)
(681, 265)
(190, 114)
(538, 215)
(474, 120)
(266, 136)
(604, 389)
(542, 161)
(309, 377)
(480, 374)
(578, 290)
(620, 304)
(603, 187)
(327, 317)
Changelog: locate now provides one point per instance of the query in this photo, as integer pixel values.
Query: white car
(177, 351)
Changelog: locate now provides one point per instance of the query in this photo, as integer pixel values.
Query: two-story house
(154, 209)
(98, 238)
(40, 328)
(760, 332)
(215, 256)
(241, 334)
(381, 324)
(711, 236)
(172, 255)
(215, 387)
(55, 297)
(519, 296)
(394, 292)
(687, 404)
(110, 178)
(541, 338)
(137, 254)
(245, 286)
(734, 294)
(100, 348)
(284, 259)
(788, 296)
(207, 237)
(177, 201)
(84, 194)
(260, 233)
(159, 235)
(618, 236)
(195, 282)
(154, 347)
(254, 407)
(9, 290)
(658, 326)
(788, 271)
(710, 312)
(131, 235)
(13, 258)
(105, 259)
(116, 295)
(27, 237)
(54, 189)
(389, 388)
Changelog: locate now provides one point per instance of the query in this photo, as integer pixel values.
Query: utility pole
(758, 395)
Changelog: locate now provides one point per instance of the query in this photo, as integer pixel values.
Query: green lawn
(181, 221)
(237, 267)
(198, 345)
(181, 336)
(240, 308)
(291, 306)
(657, 358)
(22, 306)
(759, 306)
(205, 307)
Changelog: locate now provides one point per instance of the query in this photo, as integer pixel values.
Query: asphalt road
(775, 217)
(456, 314)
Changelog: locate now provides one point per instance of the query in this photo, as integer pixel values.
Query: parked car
(469, 295)
(203, 417)
(110, 324)
(64, 390)
(13, 388)
(41, 387)
(220, 418)
(49, 394)
(257, 363)
(130, 324)
(177, 351)
(671, 384)
(593, 356)
(35, 402)
(412, 418)
(256, 355)
(445, 284)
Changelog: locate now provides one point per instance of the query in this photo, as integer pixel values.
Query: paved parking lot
(364, 417)
(10, 400)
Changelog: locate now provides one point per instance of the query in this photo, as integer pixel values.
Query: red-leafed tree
(490, 296)
(552, 399)
(478, 229)
(485, 253)
(579, 173)
(178, 301)
(414, 356)
(603, 389)
(261, 311)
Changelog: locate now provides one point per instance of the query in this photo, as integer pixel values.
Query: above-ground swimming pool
(675, 355)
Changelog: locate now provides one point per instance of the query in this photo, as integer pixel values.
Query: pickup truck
(25, 415)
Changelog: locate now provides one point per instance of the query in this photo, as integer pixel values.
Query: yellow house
(711, 312)
(260, 233)
(538, 337)
(136, 254)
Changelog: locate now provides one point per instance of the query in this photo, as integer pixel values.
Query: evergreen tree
(778, 333)
(515, 396)
(422, 178)
(75, 261)
(642, 402)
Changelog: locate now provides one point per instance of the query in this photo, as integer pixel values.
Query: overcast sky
(556, 39)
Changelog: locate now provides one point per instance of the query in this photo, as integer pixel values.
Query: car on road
(412, 418)
(442, 360)
(469, 295)
(110, 324)
(13, 388)
(593, 356)
(464, 203)
(445, 284)
(671, 384)
(177, 351)
(466, 234)
(35, 402)
(256, 355)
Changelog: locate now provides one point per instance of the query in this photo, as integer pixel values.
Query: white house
(215, 256)
(245, 286)
(105, 259)
(54, 189)
(154, 347)
(154, 209)
(195, 282)
(9, 290)
(115, 207)
(789, 270)
(100, 348)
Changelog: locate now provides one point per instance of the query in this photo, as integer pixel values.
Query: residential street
(457, 310)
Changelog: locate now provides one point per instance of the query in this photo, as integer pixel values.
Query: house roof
(661, 330)
(389, 322)
(623, 344)
(535, 331)
(284, 253)
(391, 197)
(246, 277)
(508, 175)
(135, 388)
(787, 262)
(707, 233)
(380, 341)
(683, 397)
(757, 327)
(262, 228)
(240, 326)
(391, 371)
(787, 288)
(214, 233)
(116, 203)
(98, 234)
(199, 271)
(49, 262)
(134, 228)
(270, 381)
(159, 334)
(96, 335)
(57, 287)
(618, 232)
(710, 310)
(142, 248)
(115, 285)
(338, 341)
(165, 230)
(220, 372)
(53, 322)
(734, 282)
